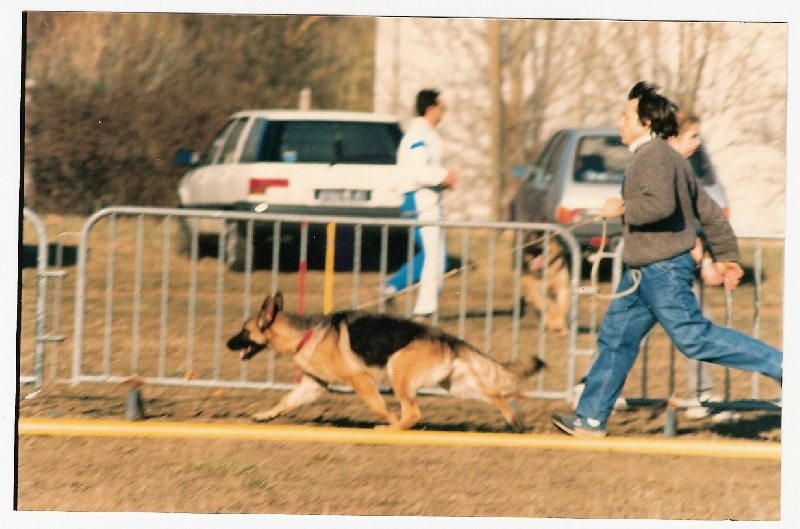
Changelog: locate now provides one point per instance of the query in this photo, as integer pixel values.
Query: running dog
(554, 304)
(358, 348)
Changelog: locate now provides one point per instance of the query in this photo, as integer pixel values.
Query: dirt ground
(237, 476)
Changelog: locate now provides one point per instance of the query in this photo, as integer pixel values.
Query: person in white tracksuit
(421, 147)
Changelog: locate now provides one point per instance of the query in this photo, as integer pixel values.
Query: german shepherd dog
(357, 348)
(557, 292)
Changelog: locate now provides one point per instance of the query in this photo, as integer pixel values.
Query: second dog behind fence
(552, 300)
(358, 348)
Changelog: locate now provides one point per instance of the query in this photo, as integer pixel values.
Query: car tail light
(259, 186)
(595, 242)
(568, 216)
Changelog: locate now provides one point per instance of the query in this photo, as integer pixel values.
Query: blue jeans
(399, 279)
(664, 296)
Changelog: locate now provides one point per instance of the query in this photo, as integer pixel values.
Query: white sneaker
(696, 410)
(387, 290)
(694, 405)
(725, 416)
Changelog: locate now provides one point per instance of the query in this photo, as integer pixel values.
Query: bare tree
(494, 34)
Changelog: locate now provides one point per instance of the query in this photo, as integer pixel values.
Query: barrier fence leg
(134, 406)
(670, 422)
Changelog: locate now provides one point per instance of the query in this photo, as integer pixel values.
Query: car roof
(584, 131)
(318, 115)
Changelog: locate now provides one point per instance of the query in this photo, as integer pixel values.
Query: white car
(295, 162)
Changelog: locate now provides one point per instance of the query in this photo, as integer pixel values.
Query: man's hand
(613, 208)
(731, 273)
(697, 251)
(710, 274)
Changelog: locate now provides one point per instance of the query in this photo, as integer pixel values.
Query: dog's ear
(269, 309)
(265, 315)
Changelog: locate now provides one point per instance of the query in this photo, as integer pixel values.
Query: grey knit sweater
(664, 203)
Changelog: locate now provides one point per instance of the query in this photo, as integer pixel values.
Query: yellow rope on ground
(721, 448)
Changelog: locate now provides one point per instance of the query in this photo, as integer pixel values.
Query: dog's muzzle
(241, 342)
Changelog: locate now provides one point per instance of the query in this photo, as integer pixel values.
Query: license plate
(343, 195)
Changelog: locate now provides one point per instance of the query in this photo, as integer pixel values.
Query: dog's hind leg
(532, 291)
(364, 386)
(410, 413)
(512, 417)
(308, 390)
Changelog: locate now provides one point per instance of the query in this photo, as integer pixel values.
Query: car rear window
(601, 159)
(332, 142)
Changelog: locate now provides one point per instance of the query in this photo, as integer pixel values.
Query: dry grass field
(135, 334)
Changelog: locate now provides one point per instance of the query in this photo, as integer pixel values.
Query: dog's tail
(525, 366)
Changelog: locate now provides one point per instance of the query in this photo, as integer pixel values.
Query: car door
(196, 190)
(225, 182)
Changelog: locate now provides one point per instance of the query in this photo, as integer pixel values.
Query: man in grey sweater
(660, 201)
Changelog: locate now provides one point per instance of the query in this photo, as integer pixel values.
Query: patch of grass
(246, 470)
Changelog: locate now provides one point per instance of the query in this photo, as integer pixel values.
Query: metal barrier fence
(32, 365)
(147, 303)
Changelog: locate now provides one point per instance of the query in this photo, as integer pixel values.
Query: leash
(636, 274)
(515, 248)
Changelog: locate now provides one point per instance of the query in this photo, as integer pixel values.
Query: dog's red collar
(304, 340)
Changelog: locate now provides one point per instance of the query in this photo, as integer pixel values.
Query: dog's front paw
(558, 329)
(517, 426)
(264, 416)
(390, 427)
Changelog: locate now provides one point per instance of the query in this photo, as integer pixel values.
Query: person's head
(429, 106)
(647, 112)
(687, 140)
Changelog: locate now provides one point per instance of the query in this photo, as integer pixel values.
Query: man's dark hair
(656, 108)
(426, 98)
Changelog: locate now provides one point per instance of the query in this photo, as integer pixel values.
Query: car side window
(212, 154)
(601, 159)
(254, 141)
(552, 161)
(229, 147)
